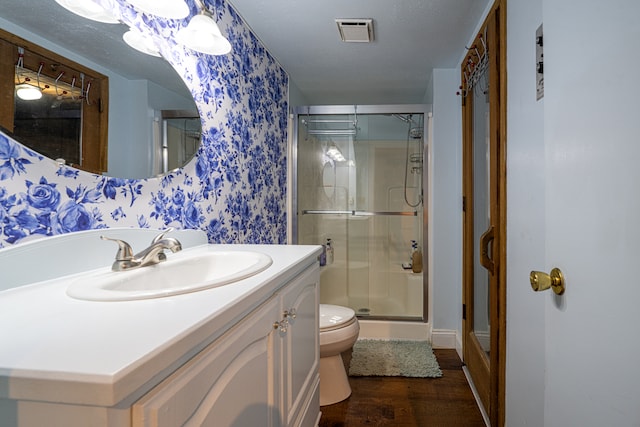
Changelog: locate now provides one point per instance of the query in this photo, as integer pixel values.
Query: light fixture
(28, 92)
(170, 9)
(140, 42)
(203, 35)
(334, 153)
(89, 9)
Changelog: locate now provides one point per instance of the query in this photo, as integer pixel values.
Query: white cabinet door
(233, 382)
(254, 375)
(301, 350)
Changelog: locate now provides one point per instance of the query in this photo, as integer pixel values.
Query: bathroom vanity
(240, 354)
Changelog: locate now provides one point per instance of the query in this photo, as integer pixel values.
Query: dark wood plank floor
(408, 402)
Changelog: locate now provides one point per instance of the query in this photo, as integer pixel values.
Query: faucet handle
(125, 252)
(161, 235)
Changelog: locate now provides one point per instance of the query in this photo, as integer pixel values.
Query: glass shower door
(326, 198)
(360, 185)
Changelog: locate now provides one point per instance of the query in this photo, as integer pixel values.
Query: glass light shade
(171, 9)
(203, 35)
(141, 43)
(88, 9)
(28, 92)
(334, 153)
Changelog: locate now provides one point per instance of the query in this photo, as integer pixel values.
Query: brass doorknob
(542, 281)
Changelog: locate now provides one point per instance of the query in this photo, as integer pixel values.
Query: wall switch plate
(539, 64)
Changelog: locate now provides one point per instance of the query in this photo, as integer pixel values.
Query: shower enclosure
(359, 185)
(181, 133)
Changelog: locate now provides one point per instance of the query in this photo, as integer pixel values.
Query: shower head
(415, 131)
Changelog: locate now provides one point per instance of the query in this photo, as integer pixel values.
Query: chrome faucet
(154, 254)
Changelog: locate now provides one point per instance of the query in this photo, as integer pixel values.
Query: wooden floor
(408, 402)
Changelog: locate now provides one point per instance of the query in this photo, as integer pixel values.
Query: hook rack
(475, 67)
(60, 88)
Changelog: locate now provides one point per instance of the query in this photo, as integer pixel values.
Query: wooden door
(484, 204)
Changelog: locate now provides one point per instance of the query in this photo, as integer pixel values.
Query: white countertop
(59, 349)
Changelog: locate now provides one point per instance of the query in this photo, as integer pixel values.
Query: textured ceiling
(411, 38)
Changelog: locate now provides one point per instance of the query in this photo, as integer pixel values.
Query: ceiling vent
(355, 30)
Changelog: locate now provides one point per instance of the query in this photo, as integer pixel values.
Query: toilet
(339, 330)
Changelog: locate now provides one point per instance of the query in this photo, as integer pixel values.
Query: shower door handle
(485, 260)
(360, 213)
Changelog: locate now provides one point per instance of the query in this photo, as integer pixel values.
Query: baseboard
(381, 329)
(459, 345)
(444, 338)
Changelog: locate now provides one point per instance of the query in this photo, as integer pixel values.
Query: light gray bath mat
(393, 358)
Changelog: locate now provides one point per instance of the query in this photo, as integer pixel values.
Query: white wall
(525, 220)
(126, 158)
(446, 199)
(296, 98)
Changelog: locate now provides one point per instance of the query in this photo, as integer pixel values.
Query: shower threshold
(366, 316)
(394, 328)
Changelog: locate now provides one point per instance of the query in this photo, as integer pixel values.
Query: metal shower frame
(356, 110)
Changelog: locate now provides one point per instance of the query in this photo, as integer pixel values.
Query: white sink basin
(181, 273)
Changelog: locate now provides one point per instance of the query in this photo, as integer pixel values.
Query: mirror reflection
(481, 208)
(135, 104)
(181, 132)
(50, 126)
(55, 106)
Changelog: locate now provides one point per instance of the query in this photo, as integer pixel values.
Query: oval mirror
(153, 124)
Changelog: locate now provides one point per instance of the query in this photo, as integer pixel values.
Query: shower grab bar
(312, 212)
(360, 213)
(386, 213)
(329, 121)
(331, 131)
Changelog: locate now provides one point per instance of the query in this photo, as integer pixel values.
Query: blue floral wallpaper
(235, 187)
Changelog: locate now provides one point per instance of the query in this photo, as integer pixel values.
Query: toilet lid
(332, 316)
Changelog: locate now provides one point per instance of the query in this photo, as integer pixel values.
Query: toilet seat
(339, 329)
(335, 317)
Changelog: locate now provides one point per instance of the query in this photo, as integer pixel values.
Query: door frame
(492, 392)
